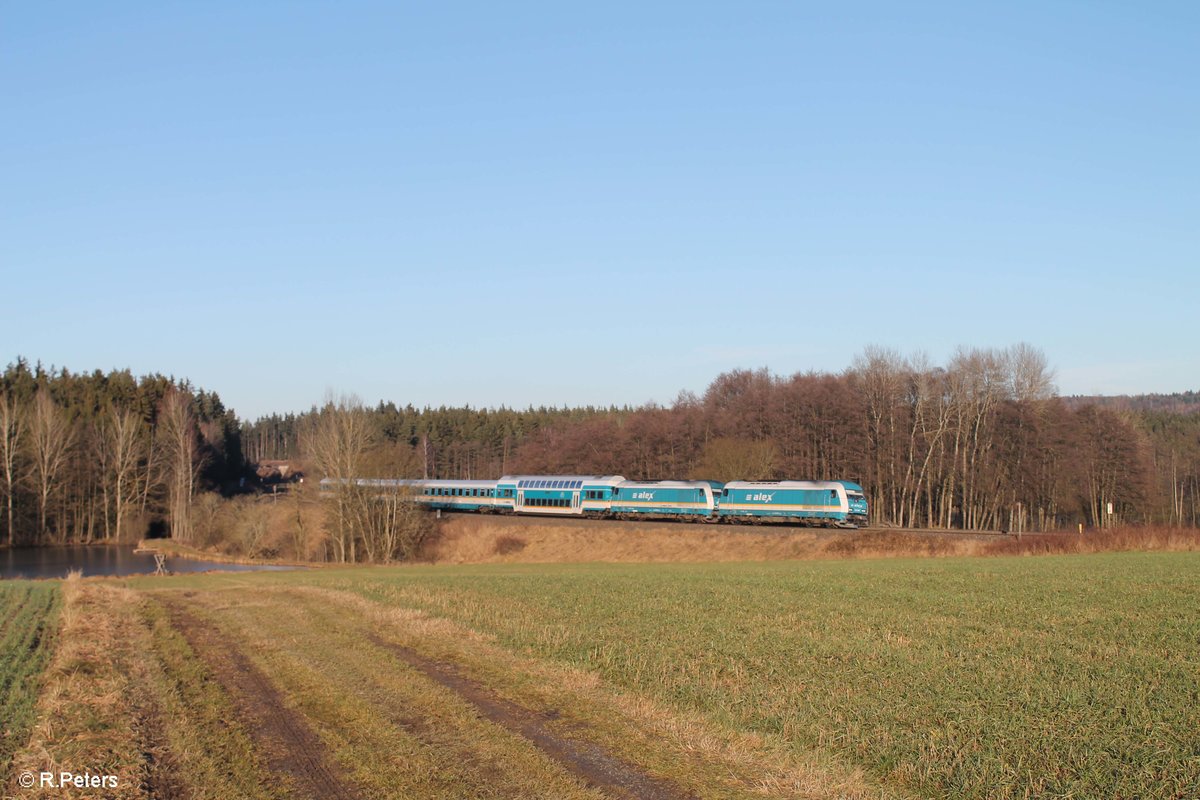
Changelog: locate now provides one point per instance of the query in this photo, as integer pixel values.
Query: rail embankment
(468, 539)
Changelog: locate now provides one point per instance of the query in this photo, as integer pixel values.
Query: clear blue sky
(549, 203)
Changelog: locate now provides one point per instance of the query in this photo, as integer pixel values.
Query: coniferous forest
(980, 443)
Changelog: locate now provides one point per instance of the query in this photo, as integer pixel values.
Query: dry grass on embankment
(1155, 538)
(469, 539)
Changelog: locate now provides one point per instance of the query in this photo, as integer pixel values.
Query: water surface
(56, 562)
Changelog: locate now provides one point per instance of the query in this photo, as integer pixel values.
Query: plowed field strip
(290, 745)
(588, 761)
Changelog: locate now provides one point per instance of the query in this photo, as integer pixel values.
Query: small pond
(56, 562)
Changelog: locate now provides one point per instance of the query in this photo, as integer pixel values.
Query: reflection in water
(56, 562)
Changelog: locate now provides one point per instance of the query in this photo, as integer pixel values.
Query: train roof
(611, 480)
(783, 484)
(410, 482)
(668, 484)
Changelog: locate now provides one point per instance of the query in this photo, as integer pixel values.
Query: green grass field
(1067, 676)
(1058, 676)
(28, 621)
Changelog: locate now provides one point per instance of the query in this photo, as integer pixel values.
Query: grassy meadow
(1055, 676)
(28, 622)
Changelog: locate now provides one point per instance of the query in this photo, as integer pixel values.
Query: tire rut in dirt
(290, 745)
(591, 762)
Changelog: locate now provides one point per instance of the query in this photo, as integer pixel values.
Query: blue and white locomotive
(830, 503)
(840, 501)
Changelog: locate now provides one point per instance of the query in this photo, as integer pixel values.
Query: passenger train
(829, 503)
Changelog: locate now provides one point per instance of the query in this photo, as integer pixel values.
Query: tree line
(102, 457)
(982, 442)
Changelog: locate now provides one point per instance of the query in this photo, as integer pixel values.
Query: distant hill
(1177, 403)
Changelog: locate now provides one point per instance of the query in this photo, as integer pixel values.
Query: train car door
(575, 500)
(520, 498)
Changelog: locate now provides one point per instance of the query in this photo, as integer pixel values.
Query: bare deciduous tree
(12, 429)
(121, 446)
(337, 441)
(1030, 374)
(390, 522)
(727, 459)
(181, 460)
(50, 440)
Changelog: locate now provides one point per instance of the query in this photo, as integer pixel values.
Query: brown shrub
(1097, 541)
(892, 542)
(507, 543)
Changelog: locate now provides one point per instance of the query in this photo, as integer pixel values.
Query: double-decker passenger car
(556, 494)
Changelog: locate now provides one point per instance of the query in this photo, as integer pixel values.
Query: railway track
(634, 526)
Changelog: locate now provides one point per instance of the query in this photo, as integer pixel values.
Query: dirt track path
(597, 767)
(290, 745)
